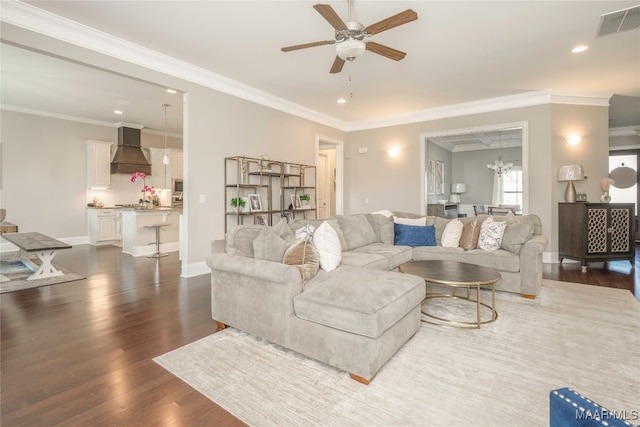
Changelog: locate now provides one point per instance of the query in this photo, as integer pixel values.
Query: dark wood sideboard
(596, 232)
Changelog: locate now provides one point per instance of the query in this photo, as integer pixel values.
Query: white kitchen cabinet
(99, 164)
(104, 226)
(175, 160)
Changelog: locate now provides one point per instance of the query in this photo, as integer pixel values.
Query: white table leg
(45, 269)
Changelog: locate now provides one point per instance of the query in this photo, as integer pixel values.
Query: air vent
(621, 20)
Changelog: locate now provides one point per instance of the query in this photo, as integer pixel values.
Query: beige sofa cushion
(268, 245)
(360, 301)
(500, 259)
(357, 230)
(395, 255)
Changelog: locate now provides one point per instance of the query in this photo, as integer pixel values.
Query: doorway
(329, 155)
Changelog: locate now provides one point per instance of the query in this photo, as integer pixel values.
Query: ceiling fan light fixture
(350, 49)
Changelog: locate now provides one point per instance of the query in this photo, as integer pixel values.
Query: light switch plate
(202, 198)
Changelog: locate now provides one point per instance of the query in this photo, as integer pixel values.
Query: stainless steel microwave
(177, 193)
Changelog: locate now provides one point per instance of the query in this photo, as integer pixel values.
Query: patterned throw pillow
(303, 255)
(470, 235)
(491, 233)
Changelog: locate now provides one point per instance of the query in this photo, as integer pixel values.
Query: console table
(447, 210)
(596, 232)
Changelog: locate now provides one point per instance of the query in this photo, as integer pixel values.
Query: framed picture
(287, 216)
(255, 204)
(431, 184)
(295, 202)
(439, 180)
(261, 220)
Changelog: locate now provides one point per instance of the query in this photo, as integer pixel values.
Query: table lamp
(570, 173)
(456, 190)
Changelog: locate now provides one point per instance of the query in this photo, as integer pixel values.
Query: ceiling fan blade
(386, 51)
(392, 22)
(331, 16)
(337, 65)
(306, 45)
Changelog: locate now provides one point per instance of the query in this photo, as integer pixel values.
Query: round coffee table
(456, 275)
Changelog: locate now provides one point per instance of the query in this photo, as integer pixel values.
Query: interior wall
(44, 170)
(437, 153)
(470, 168)
(592, 123)
(216, 125)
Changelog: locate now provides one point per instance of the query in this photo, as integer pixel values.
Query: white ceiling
(457, 52)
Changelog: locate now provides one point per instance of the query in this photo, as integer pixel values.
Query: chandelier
(499, 167)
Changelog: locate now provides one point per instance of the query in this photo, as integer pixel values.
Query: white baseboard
(195, 269)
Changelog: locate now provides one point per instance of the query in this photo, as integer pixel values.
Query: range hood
(129, 157)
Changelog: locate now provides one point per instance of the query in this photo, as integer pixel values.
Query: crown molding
(625, 131)
(40, 21)
(508, 102)
(49, 114)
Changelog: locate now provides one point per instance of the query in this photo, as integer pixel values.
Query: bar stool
(157, 226)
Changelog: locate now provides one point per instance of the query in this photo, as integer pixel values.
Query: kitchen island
(130, 228)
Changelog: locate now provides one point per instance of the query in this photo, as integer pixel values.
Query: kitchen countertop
(137, 209)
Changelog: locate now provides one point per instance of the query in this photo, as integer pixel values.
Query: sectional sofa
(357, 315)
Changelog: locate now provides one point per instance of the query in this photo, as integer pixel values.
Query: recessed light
(117, 112)
(172, 91)
(342, 101)
(580, 48)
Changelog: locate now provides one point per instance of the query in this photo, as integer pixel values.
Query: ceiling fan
(350, 36)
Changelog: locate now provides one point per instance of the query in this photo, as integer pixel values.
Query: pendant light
(499, 167)
(165, 158)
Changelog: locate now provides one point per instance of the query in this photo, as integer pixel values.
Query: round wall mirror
(623, 176)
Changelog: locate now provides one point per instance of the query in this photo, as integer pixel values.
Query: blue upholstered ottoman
(569, 408)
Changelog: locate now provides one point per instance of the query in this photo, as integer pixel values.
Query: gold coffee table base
(459, 324)
(454, 275)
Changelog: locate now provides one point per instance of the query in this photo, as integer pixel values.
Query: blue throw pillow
(414, 235)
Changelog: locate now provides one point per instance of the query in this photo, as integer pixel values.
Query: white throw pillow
(452, 233)
(410, 221)
(327, 243)
(491, 233)
(384, 212)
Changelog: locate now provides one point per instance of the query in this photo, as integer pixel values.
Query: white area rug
(578, 336)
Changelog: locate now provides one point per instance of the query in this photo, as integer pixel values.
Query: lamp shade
(458, 188)
(570, 173)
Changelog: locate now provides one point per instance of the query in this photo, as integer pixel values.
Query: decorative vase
(605, 198)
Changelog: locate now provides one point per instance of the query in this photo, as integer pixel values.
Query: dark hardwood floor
(80, 353)
(613, 274)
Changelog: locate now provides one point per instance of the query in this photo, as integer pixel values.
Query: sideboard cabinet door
(596, 232)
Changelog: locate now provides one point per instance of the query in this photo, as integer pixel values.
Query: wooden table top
(31, 242)
(451, 272)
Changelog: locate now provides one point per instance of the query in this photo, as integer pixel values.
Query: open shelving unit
(278, 186)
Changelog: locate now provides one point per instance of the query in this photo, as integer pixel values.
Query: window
(512, 187)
